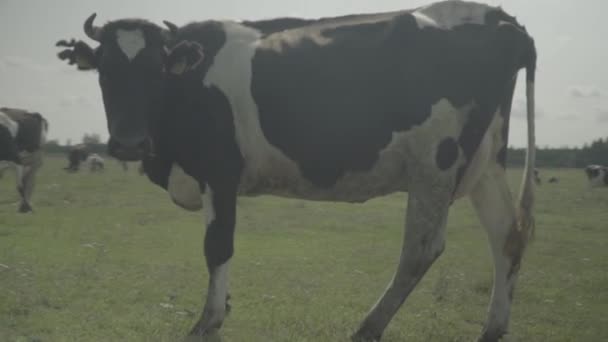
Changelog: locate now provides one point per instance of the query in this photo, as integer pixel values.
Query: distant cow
(22, 134)
(76, 155)
(597, 175)
(537, 176)
(95, 162)
(337, 109)
(553, 180)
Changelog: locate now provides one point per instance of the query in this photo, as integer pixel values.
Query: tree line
(92, 141)
(568, 157)
(577, 157)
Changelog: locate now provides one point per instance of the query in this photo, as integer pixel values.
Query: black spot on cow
(447, 153)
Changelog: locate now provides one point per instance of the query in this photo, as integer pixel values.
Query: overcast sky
(572, 80)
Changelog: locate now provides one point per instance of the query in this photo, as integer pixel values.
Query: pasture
(108, 257)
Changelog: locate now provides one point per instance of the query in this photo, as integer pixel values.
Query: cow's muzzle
(129, 152)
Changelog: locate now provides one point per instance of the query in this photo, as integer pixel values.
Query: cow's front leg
(26, 180)
(21, 173)
(219, 206)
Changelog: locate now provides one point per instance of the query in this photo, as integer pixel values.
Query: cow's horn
(169, 34)
(172, 27)
(93, 32)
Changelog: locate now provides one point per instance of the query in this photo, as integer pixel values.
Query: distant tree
(53, 146)
(595, 152)
(91, 139)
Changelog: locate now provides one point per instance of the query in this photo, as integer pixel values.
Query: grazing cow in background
(553, 180)
(597, 175)
(335, 109)
(76, 155)
(22, 136)
(95, 162)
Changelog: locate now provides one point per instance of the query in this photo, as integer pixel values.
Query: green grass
(108, 257)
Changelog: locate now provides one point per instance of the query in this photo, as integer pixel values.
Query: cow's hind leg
(427, 212)
(493, 202)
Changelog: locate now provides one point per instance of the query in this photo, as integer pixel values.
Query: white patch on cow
(451, 13)
(130, 42)
(494, 204)
(10, 124)
(289, 38)
(95, 162)
(231, 72)
(94, 157)
(491, 143)
(217, 292)
(183, 189)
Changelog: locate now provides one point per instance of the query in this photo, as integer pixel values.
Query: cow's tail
(526, 195)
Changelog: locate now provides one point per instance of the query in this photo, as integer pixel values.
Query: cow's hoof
(206, 327)
(209, 337)
(365, 335)
(494, 335)
(25, 208)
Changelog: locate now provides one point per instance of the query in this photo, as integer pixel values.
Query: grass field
(108, 257)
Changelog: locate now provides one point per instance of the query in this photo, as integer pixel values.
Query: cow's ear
(79, 53)
(185, 57)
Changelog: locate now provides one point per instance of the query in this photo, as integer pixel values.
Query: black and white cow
(537, 178)
(597, 175)
(95, 162)
(335, 109)
(22, 136)
(76, 155)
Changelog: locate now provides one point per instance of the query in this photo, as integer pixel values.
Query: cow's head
(133, 61)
